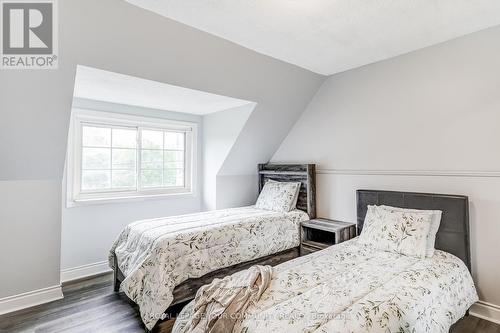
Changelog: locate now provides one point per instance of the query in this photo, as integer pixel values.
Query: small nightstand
(318, 234)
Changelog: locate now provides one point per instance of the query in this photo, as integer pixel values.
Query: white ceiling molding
(100, 85)
(331, 36)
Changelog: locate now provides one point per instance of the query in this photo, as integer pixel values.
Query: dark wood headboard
(453, 234)
(304, 173)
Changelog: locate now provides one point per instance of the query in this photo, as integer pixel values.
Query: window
(118, 156)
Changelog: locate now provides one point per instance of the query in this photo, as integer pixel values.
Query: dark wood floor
(88, 306)
(91, 306)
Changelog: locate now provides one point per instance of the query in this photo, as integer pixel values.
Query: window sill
(125, 199)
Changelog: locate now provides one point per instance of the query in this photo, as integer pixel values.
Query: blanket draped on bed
(157, 255)
(220, 304)
(353, 288)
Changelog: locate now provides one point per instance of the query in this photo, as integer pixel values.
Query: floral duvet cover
(156, 255)
(353, 288)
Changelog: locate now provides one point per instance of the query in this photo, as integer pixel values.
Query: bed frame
(303, 173)
(306, 174)
(453, 234)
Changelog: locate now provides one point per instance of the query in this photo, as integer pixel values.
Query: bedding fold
(220, 304)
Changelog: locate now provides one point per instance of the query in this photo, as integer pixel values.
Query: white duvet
(353, 288)
(157, 255)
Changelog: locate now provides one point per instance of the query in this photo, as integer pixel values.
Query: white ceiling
(96, 84)
(330, 36)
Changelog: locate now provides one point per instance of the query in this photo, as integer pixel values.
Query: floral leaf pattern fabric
(157, 255)
(351, 287)
(433, 229)
(402, 232)
(278, 196)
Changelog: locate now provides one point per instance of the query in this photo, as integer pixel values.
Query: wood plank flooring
(91, 306)
(88, 306)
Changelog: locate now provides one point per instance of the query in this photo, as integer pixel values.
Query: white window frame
(80, 117)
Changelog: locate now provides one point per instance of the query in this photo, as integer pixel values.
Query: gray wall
(427, 121)
(88, 231)
(30, 223)
(114, 35)
(220, 131)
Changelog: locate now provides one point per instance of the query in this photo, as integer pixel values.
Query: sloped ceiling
(330, 36)
(96, 84)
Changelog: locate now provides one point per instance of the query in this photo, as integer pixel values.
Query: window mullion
(187, 159)
(111, 161)
(163, 159)
(139, 159)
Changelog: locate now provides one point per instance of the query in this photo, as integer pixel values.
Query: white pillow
(396, 231)
(296, 199)
(370, 214)
(278, 196)
(435, 222)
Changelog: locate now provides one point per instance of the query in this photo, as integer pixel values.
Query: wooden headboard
(304, 173)
(453, 234)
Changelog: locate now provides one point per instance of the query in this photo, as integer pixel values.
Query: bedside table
(318, 234)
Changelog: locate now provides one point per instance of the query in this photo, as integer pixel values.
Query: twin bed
(162, 262)
(351, 287)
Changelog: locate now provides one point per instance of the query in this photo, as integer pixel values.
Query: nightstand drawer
(315, 245)
(318, 234)
(306, 249)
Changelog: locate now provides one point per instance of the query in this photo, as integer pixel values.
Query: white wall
(88, 231)
(220, 131)
(427, 121)
(35, 109)
(237, 190)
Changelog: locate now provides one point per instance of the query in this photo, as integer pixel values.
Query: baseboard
(75, 273)
(487, 311)
(29, 299)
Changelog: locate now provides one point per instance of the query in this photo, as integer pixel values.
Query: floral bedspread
(353, 288)
(157, 255)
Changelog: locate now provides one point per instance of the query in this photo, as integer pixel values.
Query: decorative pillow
(435, 222)
(294, 203)
(371, 214)
(278, 196)
(396, 231)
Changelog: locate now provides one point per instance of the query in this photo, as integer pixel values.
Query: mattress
(156, 255)
(353, 288)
